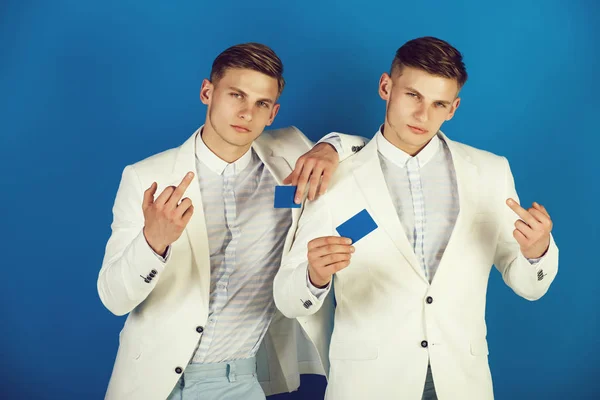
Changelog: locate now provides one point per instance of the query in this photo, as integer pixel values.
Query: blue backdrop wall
(88, 87)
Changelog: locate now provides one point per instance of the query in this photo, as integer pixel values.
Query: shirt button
(424, 343)
(199, 329)
(178, 370)
(429, 300)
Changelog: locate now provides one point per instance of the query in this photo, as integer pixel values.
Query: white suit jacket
(389, 321)
(168, 302)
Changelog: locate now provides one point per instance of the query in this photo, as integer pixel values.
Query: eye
(438, 105)
(263, 104)
(235, 95)
(410, 94)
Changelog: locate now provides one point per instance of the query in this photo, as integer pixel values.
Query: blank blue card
(284, 197)
(357, 227)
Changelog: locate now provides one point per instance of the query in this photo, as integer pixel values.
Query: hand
(532, 230)
(165, 218)
(317, 165)
(326, 256)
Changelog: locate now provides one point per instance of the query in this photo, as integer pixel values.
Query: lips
(240, 129)
(417, 130)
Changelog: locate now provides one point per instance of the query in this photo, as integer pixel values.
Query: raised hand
(166, 217)
(532, 231)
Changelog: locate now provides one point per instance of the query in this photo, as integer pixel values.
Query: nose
(420, 113)
(246, 114)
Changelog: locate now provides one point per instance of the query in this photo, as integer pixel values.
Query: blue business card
(357, 227)
(284, 197)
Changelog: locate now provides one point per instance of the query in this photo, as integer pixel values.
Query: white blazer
(389, 322)
(168, 303)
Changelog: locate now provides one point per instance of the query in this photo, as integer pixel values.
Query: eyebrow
(410, 89)
(266, 100)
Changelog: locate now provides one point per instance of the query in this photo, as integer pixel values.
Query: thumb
(149, 196)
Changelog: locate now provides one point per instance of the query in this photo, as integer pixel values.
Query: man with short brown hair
(411, 293)
(196, 242)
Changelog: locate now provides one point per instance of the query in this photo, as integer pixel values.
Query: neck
(225, 151)
(389, 133)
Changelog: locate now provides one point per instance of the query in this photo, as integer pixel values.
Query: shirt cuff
(161, 258)
(534, 261)
(334, 140)
(317, 292)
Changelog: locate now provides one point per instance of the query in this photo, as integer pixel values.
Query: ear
(453, 108)
(385, 86)
(206, 91)
(274, 112)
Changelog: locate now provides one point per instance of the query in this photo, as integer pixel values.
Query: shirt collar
(216, 164)
(399, 157)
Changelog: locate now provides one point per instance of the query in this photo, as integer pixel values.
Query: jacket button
(178, 370)
(199, 329)
(429, 299)
(424, 343)
(154, 272)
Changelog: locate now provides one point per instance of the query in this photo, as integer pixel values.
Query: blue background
(88, 87)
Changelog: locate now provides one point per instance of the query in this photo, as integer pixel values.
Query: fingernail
(349, 241)
(352, 249)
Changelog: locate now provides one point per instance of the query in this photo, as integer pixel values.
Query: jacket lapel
(370, 180)
(466, 178)
(196, 227)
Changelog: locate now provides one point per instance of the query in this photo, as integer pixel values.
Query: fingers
(325, 181)
(336, 267)
(303, 179)
(149, 196)
(541, 208)
(539, 216)
(180, 190)
(327, 240)
(187, 215)
(518, 235)
(521, 212)
(183, 207)
(327, 255)
(315, 181)
(292, 179)
(163, 198)
(525, 229)
(331, 249)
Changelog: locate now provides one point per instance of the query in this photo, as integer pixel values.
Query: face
(417, 104)
(240, 104)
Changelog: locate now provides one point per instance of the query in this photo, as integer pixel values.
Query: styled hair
(433, 56)
(254, 56)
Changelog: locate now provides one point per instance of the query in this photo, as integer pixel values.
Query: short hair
(255, 56)
(433, 56)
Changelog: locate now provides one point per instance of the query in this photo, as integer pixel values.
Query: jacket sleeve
(291, 291)
(530, 281)
(130, 269)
